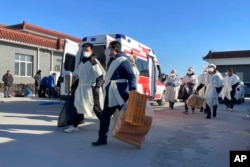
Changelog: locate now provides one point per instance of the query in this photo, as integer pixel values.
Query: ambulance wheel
(163, 100)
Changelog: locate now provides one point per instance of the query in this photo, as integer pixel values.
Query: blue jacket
(51, 82)
(124, 71)
(44, 81)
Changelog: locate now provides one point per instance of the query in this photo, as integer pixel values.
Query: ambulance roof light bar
(84, 39)
(91, 39)
(120, 36)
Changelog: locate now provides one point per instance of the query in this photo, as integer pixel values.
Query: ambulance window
(158, 72)
(99, 52)
(69, 64)
(142, 66)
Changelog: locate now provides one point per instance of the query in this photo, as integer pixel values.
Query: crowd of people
(101, 92)
(208, 85)
(44, 87)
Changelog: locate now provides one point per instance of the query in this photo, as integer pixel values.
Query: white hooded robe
(229, 81)
(172, 90)
(211, 81)
(88, 74)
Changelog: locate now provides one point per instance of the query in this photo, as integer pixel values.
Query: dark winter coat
(8, 80)
(124, 71)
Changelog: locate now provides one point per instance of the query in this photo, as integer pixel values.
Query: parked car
(247, 89)
(239, 94)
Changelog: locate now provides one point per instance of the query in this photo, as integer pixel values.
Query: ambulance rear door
(70, 61)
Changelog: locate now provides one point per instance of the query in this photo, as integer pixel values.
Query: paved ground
(29, 138)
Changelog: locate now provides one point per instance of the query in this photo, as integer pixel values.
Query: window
(69, 64)
(158, 72)
(58, 65)
(23, 65)
(99, 52)
(142, 66)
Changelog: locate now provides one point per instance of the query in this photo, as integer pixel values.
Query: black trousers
(77, 118)
(208, 110)
(37, 87)
(42, 91)
(230, 103)
(105, 119)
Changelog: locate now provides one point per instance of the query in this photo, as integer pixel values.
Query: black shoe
(99, 143)
(214, 114)
(208, 117)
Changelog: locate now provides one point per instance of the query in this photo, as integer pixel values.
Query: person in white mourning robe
(213, 83)
(89, 98)
(172, 88)
(190, 81)
(230, 82)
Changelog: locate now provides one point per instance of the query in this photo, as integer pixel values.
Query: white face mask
(107, 52)
(189, 72)
(172, 75)
(210, 69)
(86, 54)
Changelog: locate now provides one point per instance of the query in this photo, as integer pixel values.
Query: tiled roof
(32, 28)
(22, 37)
(227, 54)
(34, 36)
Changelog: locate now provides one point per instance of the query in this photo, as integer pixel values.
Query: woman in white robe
(213, 83)
(230, 82)
(172, 88)
(189, 81)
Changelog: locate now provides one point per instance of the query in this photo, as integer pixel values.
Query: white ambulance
(150, 79)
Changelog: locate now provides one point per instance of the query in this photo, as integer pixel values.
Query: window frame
(141, 64)
(27, 61)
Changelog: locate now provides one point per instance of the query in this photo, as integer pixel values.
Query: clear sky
(180, 32)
